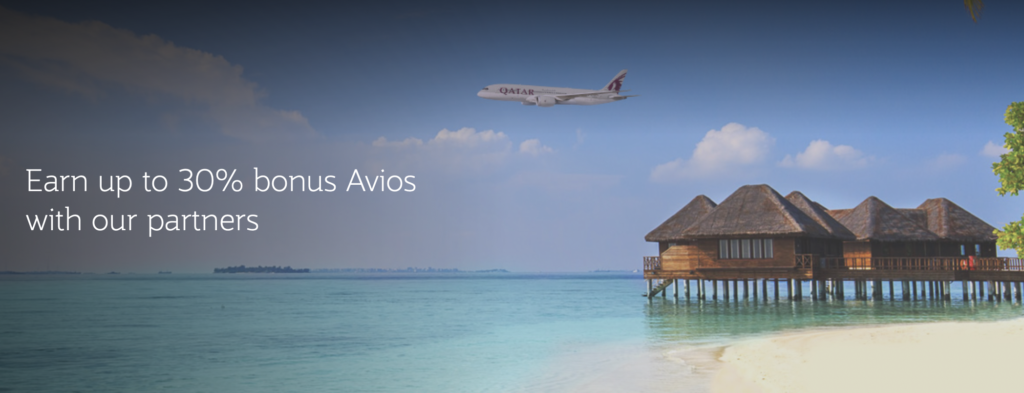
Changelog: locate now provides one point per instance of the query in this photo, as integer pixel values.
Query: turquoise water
(392, 332)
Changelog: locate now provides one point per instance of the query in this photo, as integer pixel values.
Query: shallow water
(495, 332)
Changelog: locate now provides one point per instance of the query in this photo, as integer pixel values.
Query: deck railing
(804, 261)
(922, 263)
(652, 263)
(807, 261)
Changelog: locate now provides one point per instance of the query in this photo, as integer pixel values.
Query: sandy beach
(933, 357)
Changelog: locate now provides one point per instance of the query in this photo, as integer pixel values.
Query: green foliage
(1010, 170)
(1012, 237)
(1010, 167)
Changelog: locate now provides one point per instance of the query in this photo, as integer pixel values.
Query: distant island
(259, 269)
(406, 270)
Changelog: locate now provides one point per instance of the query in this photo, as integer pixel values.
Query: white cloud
(465, 150)
(86, 57)
(465, 138)
(946, 161)
(580, 137)
(822, 155)
(534, 148)
(721, 151)
(993, 150)
(384, 142)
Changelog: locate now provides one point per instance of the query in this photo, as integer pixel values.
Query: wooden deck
(827, 275)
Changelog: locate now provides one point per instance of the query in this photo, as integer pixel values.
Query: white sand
(936, 357)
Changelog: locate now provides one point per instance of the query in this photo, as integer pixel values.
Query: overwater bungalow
(756, 234)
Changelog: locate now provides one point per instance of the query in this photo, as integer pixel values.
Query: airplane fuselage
(546, 96)
(528, 94)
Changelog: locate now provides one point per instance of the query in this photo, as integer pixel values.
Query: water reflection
(695, 322)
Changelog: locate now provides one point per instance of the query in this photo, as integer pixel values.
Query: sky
(840, 101)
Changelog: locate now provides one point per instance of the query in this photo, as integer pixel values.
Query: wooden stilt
(764, 289)
(686, 289)
(735, 290)
(675, 288)
(776, 289)
(725, 290)
(745, 296)
(966, 290)
(714, 289)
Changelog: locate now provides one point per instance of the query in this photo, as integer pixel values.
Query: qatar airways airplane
(550, 96)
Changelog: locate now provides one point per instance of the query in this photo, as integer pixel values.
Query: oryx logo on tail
(616, 83)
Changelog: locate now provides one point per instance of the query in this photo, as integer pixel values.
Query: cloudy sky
(840, 101)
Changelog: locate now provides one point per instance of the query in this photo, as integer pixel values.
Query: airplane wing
(563, 97)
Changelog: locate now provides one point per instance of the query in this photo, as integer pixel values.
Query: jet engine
(545, 101)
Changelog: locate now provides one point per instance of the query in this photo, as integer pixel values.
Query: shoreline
(939, 356)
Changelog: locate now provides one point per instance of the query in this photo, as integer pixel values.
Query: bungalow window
(745, 249)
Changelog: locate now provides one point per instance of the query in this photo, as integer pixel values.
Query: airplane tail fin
(616, 83)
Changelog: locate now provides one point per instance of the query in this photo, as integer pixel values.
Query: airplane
(545, 96)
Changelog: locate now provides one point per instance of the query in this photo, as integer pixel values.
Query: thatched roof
(918, 216)
(875, 220)
(952, 222)
(756, 210)
(759, 210)
(820, 215)
(672, 228)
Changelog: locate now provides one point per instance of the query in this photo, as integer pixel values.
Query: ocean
(395, 332)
